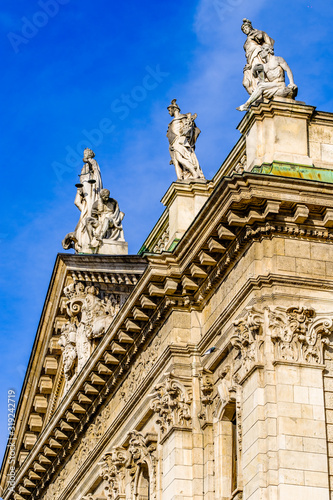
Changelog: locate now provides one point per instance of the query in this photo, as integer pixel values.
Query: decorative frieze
(94, 432)
(140, 368)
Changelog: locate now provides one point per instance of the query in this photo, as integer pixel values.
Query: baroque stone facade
(201, 369)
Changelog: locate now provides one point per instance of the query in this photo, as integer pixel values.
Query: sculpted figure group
(264, 73)
(100, 218)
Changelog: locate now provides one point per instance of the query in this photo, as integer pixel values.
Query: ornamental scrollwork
(299, 334)
(89, 313)
(121, 468)
(143, 452)
(248, 340)
(207, 400)
(172, 403)
(113, 471)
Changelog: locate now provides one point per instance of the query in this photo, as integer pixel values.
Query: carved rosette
(172, 404)
(299, 335)
(248, 340)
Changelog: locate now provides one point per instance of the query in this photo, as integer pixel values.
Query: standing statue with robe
(182, 134)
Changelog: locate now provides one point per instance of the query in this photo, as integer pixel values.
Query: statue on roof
(99, 229)
(264, 73)
(182, 134)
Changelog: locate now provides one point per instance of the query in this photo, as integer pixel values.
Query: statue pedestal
(110, 247)
(183, 200)
(277, 131)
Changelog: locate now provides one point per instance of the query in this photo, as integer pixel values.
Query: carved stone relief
(94, 432)
(89, 314)
(248, 340)
(299, 334)
(141, 368)
(54, 490)
(113, 471)
(172, 403)
(207, 400)
(120, 468)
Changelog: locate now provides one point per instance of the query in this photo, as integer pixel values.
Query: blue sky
(101, 73)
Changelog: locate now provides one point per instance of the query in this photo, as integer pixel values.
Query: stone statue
(69, 354)
(272, 81)
(264, 73)
(100, 218)
(105, 220)
(182, 134)
(254, 42)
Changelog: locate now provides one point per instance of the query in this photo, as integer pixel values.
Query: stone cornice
(65, 265)
(273, 107)
(186, 188)
(240, 210)
(37, 352)
(322, 117)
